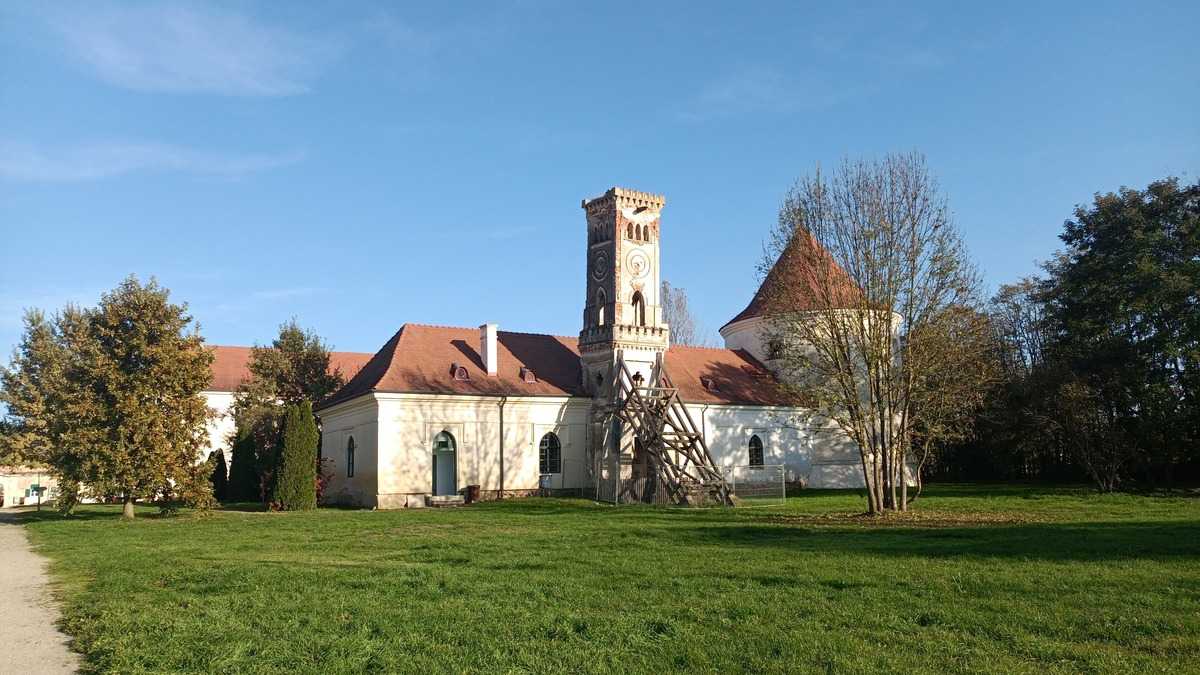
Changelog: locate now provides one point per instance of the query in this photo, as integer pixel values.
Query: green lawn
(979, 578)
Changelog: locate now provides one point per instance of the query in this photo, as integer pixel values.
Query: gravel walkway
(29, 640)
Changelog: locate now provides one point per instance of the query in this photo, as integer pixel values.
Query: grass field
(979, 578)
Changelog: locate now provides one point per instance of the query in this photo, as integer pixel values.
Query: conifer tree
(243, 475)
(218, 475)
(296, 479)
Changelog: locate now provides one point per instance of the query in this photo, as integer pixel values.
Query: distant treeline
(1099, 356)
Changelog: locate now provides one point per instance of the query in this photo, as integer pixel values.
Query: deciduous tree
(293, 369)
(109, 397)
(685, 330)
(881, 314)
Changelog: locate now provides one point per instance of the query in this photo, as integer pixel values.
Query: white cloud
(25, 161)
(762, 89)
(185, 48)
(259, 298)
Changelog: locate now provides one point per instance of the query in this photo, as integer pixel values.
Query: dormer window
(709, 384)
(459, 372)
(527, 376)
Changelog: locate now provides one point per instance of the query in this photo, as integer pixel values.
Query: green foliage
(979, 579)
(109, 397)
(296, 366)
(26, 388)
(218, 475)
(296, 481)
(1102, 355)
(244, 485)
(293, 369)
(1123, 310)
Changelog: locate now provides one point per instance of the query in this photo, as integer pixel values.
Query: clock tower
(622, 316)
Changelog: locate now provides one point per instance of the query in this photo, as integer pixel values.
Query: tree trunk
(127, 509)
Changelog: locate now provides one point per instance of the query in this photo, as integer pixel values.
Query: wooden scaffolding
(677, 459)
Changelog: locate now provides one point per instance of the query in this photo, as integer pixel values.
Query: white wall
(221, 426)
(357, 419)
(817, 455)
(410, 422)
(394, 435)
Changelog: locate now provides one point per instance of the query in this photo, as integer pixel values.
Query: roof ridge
(715, 349)
(331, 351)
(514, 332)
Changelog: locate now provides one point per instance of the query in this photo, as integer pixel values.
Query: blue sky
(361, 165)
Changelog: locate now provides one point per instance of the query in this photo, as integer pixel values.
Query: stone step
(446, 500)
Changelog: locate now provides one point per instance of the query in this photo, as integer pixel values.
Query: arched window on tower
(601, 301)
(629, 231)
(550, 454)
(756, 451)
(640, 233)
(639, 308)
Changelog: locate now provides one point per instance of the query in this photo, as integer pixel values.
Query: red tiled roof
(419, 358)
(231, 365)
(792, 278)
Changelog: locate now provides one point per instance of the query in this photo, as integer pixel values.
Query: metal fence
(762, 485)
(757, 485)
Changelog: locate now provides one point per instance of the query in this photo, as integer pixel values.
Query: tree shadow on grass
(1034, 541)
(82, 514)
(247, 507)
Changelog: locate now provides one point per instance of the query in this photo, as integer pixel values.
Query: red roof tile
(231, 365)
(793, 274)
(419, 359)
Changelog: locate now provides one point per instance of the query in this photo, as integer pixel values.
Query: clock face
(639, 263)
(600, 265)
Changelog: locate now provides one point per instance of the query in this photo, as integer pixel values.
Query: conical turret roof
(804, 276)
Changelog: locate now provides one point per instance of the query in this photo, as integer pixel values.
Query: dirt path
(29, 640)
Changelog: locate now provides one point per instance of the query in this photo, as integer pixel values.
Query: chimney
(487, 347)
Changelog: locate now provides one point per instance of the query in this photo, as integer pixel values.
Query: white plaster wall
(819, 456)
(357, 419)
(409, 423)
(14, 483)
(747, 334)
(394, 435)
(220, 426)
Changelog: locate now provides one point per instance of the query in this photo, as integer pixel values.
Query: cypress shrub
(243, 472)
(219, 475)
(296, 479)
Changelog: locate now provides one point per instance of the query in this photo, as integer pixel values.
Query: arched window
(601, 301)
(756, 451)
(550, 454)
(350, 458)
(629, 231)
(639, 308)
